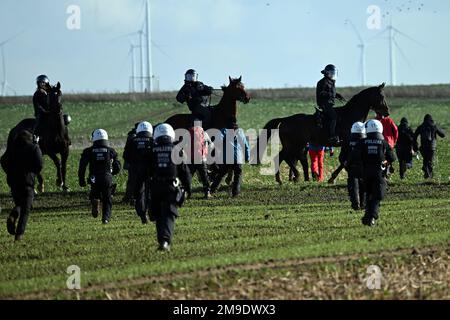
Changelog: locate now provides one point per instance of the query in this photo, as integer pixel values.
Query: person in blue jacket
(233, 139)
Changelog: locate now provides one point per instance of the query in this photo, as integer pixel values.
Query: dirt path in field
(128, 285)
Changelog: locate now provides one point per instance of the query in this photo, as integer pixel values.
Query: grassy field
(294, 241)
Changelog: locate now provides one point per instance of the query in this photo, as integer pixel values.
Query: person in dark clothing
(405, 146)
(355, 182)
(138, 154)
(373, 154)
(428, 132)
(168, 184)
(21, 162)
(103, 164)
(196, 95)
(325, 97)
(41, 102)
(129, 192)
(234, 140)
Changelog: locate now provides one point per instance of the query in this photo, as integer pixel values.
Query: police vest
(373, 151)
(142, 149)
(163, 166)
(100, 161)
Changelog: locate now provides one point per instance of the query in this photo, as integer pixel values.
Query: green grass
(267, 223)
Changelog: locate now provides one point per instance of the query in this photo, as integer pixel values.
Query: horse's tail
(271, 125)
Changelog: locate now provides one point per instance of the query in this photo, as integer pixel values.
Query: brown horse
(222, 112)
(54, 137)
(297, 130)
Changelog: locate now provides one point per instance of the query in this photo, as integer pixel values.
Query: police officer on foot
(168, 183)
(325, 96)
(21, 162)
(103, 164)
(355, 182)
(138, 154)
(373, 154)
(196, 95)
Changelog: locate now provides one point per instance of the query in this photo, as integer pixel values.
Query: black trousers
(331, 117)
(101, 190)
(164, 210)
(428, 159)
(141, 194)
(129, 191)
(375, 191)
(203, 173)
(356, 191)
(23, 199)
(237, 177)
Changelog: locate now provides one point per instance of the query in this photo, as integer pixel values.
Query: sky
(271, 43)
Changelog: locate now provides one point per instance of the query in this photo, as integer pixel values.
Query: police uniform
(355, 182)
(21, 162)
(325, 98)
(196, 95)
(166, 182)
(371, 153)
(103, 164)
(41, 104)
(129, 192)
(138, 153)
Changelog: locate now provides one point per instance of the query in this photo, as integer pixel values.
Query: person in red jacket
(390, 130)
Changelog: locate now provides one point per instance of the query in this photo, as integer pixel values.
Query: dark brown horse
(53, 139)
(297, 130)
(222, 112)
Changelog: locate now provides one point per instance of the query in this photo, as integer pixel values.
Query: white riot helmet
(144, 127)
(164, 130)
(99, 134)
(358, 128)
(374, 126)
(191, 75)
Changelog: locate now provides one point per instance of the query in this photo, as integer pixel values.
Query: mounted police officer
(21, 162)
(168, 183)
(138, 154)
(355, 183)
(325, 96)
(41, 101)
(373, 154)
(103, 164)
(196, 95)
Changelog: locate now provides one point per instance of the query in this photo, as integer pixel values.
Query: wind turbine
(393, 32)
(5, 84)
(133, 67)
(362, 47)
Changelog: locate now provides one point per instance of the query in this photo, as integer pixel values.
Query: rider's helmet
(144, 127)
(374, 126)
(358, 129)
(164, 132)
(191, 75)
(330, 71)
(42, 81)
(99, 134)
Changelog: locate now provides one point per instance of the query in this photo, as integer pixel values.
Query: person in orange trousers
(316, 154)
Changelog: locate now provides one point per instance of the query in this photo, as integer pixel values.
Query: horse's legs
(40, 179)
(304, 161)
(57, 163)
(291, 172)
(64, 157)
(291, 160)
(278, 160)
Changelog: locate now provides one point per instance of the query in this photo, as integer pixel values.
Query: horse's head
(55, 98)
(378, 100)
(236, 90)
